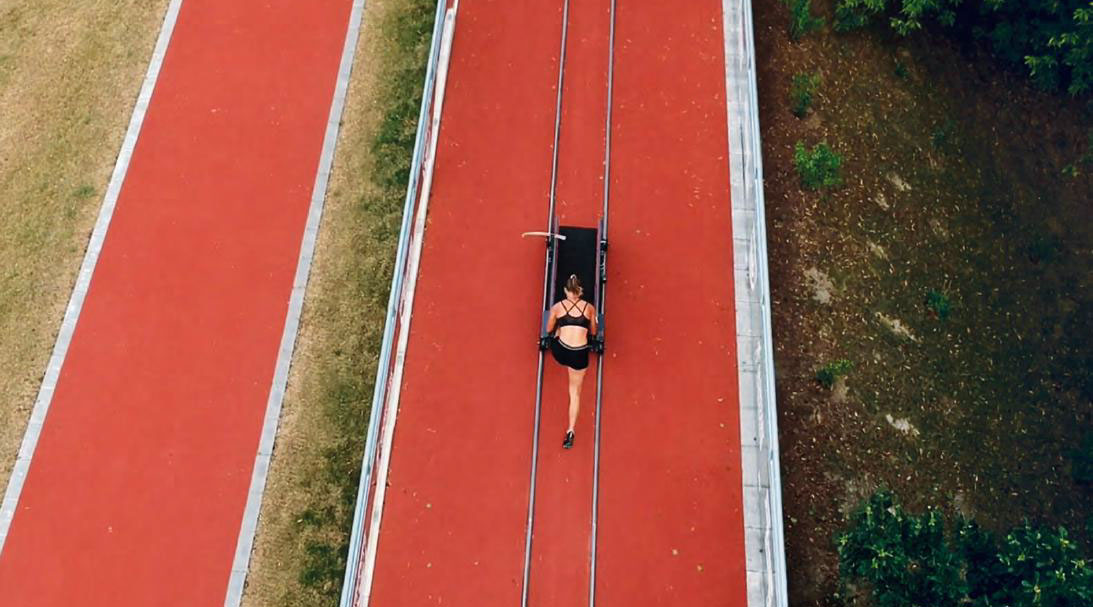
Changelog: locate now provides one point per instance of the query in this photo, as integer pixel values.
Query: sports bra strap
(572, 307)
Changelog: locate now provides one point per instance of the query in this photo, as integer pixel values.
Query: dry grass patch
(70, 73)
(299, 554)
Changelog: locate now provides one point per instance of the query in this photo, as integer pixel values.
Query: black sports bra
(569, 320)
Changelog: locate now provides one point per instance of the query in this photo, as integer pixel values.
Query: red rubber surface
(453, 524)
(136, 491)
(563, 501)
(671, 526)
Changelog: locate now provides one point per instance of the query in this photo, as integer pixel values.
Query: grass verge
(952, 266)
(70, 73)
(300, 547)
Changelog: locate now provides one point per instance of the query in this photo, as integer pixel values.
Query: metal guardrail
(745, 136)
(391, 326)
(777, 591)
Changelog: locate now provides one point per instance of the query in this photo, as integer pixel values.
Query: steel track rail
(602, 311)
(546, 295)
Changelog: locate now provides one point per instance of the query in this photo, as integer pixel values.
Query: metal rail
(777, 591)
(546, 295)
(763, 485)
(383, 368)
(603, 307)
(546, 303)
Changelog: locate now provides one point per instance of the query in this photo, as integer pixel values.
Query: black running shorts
(574, 358)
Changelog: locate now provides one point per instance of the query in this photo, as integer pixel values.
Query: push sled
(574, 250)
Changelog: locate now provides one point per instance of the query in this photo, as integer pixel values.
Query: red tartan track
(135, 494)
(136, 491)
(670, 513)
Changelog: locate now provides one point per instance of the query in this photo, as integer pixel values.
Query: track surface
(136, 491)
(453, 524)
(671, 526)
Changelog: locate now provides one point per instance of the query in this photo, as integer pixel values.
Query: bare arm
(594, 328)
(552, 321)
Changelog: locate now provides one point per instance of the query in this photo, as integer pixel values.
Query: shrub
(1037, 567)
(979, 549)
(1053, 39)
(905, 560)
(938, 303)
(819, 167)
(801, 20)
(800, 93)
(853, 14)
(905, 18)
(828, 374)
(1055, 43)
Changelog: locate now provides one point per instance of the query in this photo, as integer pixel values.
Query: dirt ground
(70, 73)
(954, 184)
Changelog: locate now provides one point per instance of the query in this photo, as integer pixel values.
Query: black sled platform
(581, 251)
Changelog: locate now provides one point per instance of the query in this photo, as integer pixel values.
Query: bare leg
(576, 378)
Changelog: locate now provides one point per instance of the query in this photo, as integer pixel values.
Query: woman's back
(574, 321)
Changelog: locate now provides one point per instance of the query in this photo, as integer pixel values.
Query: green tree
(905, 18)
(1052, 38)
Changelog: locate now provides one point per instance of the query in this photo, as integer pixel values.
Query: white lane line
(83, 279)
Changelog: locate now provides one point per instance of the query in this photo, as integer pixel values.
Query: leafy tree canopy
(1052, 38)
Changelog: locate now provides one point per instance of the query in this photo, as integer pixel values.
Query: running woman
(575, 320)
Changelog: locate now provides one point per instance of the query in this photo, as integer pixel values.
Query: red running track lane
(671, 528)
(453, 525)
(561, 547)
(136, 491)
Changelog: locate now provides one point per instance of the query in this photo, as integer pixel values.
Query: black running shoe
(568, 440)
